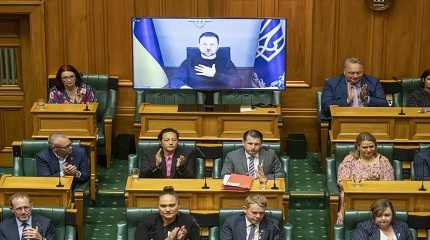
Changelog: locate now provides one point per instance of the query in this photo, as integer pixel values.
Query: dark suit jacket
(48, 165)
(422, 164)
(148, 168)
(236, 162)
(335, 93)
(234, 228)
(368, 230)
(9, 228)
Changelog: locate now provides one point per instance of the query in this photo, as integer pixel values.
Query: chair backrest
(136, 215)
(247, 97)
(318, 96)
(25, 164)
(56, 215)
(408, 86)
(352, 218)
(165, 96)
(229, 146)
(152, 146)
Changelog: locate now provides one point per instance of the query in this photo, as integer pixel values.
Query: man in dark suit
(62, 159)
(253, 159)
(25, 225)
(169, 160)
(352, 88)
(252, 224)
(422, 164)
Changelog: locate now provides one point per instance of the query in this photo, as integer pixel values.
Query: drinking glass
(356, 179)
(41, 103)
(135, 173)
(263, 182)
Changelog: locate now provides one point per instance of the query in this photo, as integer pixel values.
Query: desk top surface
(13, 182)
(194, 185)
(69, 108)
(170, 109)
(378, 187)
(358, 112)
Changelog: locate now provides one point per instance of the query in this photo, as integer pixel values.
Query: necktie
(251, 232)
(24, 226)
(251, 170)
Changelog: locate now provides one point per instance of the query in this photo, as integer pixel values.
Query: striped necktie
(251, 170)
(251, 234)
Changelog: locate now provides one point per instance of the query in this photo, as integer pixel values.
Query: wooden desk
(44, 193)
(404, 195)
(208, 126)
(73, 121)
(144, 192)
(384, 123)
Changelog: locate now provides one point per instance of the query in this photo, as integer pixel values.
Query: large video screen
(209, 54)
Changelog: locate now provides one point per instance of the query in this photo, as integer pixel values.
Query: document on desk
(246, 109)
(237, 182)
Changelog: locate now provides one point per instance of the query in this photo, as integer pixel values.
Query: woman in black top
(421, 97)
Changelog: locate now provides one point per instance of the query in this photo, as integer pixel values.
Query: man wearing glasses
(352, 88)
(24, 225)
(63, 159)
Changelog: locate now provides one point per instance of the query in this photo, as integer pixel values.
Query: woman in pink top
(363, 163)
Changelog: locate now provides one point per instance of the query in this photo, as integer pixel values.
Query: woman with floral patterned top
(363, 163)
(69, 87)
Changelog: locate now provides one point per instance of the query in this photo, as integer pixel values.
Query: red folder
(238, 182)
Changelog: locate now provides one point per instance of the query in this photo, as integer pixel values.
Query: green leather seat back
(318, 101)
(26, 164)
(56, 215)
(164, 96)
(248, 97)
(233, 145)
(352, 218)
(136, 215)
(408, 86)
(100, 84)
(152, 146)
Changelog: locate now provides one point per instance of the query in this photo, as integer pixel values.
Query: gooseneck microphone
(202, 154)
(422, 188)
(274, 187)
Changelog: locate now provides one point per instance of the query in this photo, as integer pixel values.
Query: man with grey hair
(352, 88)
(62, 159)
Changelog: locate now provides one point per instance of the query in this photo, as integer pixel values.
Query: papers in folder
(236, 182)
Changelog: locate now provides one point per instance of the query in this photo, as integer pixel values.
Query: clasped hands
(177, 233)
(70, 169)
(31, 233)
(363, 95)
(179, 161)
(260, 174)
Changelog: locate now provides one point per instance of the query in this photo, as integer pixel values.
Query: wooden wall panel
(95, 35)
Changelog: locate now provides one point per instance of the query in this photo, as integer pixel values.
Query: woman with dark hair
(69, 87)
(383, 224)
(421, 96)
(363, 163)
(168, 223)
(169, 160)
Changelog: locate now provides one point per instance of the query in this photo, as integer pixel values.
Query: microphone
(274, 187)
(202, 154)
(86, 107)
(402, 102)
(422, 188)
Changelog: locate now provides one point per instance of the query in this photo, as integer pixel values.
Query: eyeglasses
(20, 209)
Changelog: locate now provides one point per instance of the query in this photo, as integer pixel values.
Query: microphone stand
(274, 187)
(59, 181)
(402, 102)
(422, 188)
(205, 186)
(86, 107)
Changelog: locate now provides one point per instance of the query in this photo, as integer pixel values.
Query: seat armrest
(339, 232)
(81, 186)
(121, 231)
(132, 161)
(332, 187)
(284, 159)
(17, 166)
(398, 174)
(70, 233)
(288, 231)
(414, 233)
(216, 168)
(111, 105)
(200, 168)
(214, 233)
(324, 123)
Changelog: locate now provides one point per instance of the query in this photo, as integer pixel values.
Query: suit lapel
(54, 163)
(14, 226)
(243, 163)
(242, 228)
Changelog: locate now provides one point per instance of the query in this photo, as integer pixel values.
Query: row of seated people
(354, 88)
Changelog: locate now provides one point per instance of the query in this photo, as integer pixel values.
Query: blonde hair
(18, 195)
(258, 199)
(363, 136)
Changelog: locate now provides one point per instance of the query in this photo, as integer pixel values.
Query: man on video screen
(206, 68)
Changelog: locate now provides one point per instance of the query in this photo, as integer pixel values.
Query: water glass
(41, 103)
(263, 182)
(135, 173)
